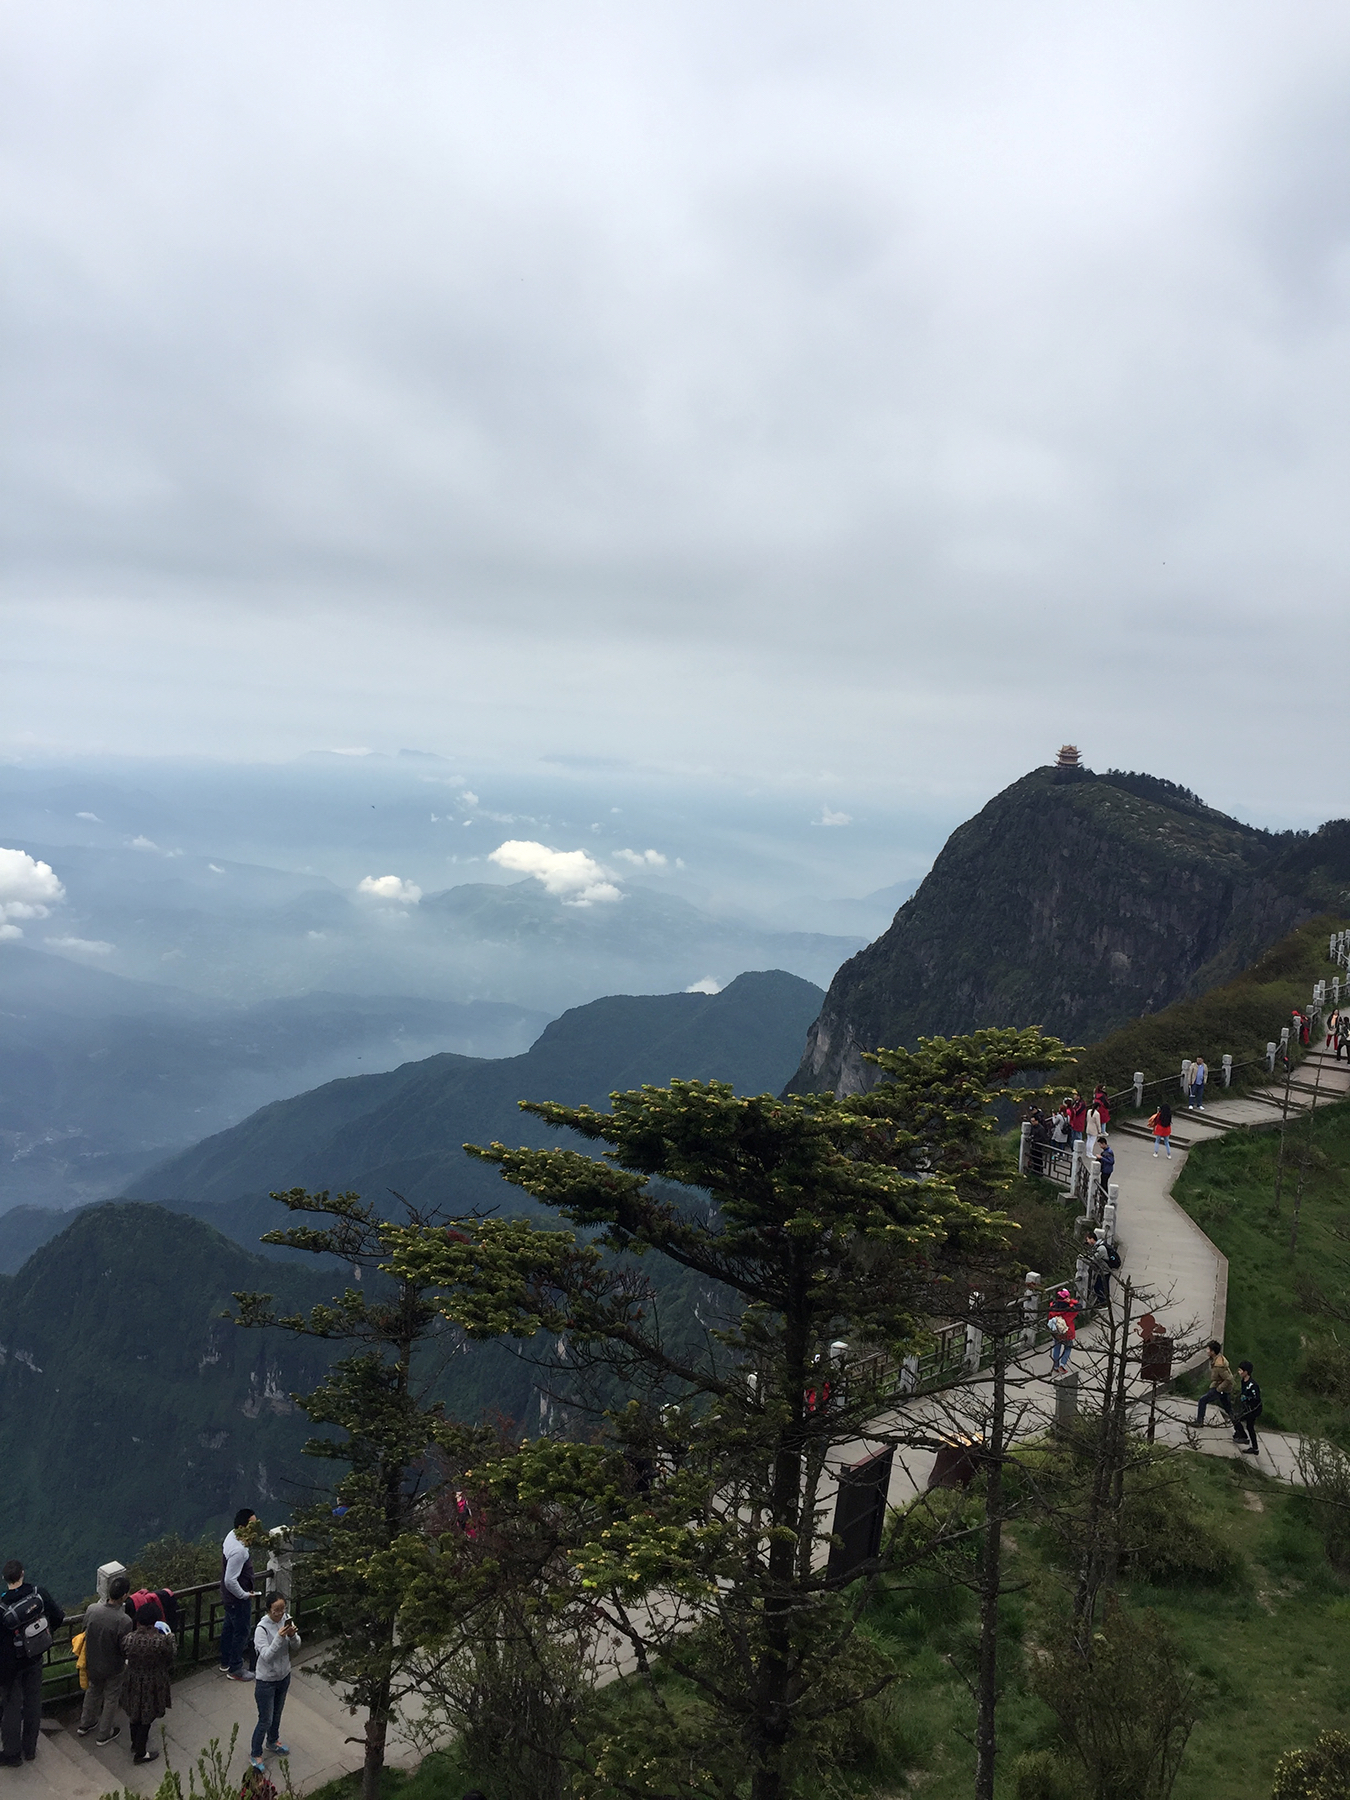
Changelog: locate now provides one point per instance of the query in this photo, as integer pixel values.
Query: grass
(1228, 1188)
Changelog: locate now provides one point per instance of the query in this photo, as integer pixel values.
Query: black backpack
(26, 1619)
(1112, 1257)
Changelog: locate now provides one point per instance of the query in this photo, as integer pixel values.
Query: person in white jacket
(276, 1641)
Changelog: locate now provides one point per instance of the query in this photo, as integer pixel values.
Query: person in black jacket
(1247, 1410)
(21, 1675)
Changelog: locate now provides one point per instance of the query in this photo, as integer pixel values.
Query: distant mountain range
(1075, 901)
(102, 1076)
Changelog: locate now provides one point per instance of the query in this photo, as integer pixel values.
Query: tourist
(1063, 1317)
(1102, 1104)
(276, 1640)
(1106, 1164)
(1343, 1035)
(236, 1593)
(1220, 1391)
(1076, 1107)
(1161, 1127)
(1248, 1410)
(147, 1688)
(1092, 1131)
(106, 1626)
(21, 1663)
(1197, 1095)
(1333, 1027)
(1099, 1267)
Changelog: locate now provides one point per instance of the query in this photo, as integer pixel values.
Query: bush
(172, 1562)
(1126, 1708)
(1322, 1773)
(1325, 1469)
(1167, 1536)
(1044, 1775)
(1324, 1368)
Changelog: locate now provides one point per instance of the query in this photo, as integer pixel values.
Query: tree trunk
(991, 1582)
(377, 1730)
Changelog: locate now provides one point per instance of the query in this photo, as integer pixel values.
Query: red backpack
(146, 1597)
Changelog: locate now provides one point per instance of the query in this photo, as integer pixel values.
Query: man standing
(1248, 1410)
(1198, 1074)
(1220, 1383)
(236, 1591)
(1106, 1166)
(25, 1632)
(105, 1659)
(1099, 1267)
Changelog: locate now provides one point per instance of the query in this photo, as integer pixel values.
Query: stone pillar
(1139, 1087)
(1031, 1306)
(1109, 1219)
(974, 1341)
(1228, 1071)
(106, 1571)
(1080, 1279)
(1024, 1147)
(1066, 1401)
(1270, 1057)
(909, 1374)
(1186, 1067)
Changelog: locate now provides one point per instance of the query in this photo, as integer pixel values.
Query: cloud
(92, 817)
(142, 842)
(28, 890)
(573, 876)
(353, 750)
(81, 946)
(643, 859)
(708, 985)
(215, 868)
(469, 797)
(10, 931)
(833, 818)
(390, 887)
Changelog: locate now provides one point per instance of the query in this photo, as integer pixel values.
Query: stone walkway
(315, 1727)
(1166, 1255)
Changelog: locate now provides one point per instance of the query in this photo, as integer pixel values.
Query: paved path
(1166, 1254)
(315, 1728)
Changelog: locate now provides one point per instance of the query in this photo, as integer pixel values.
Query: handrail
(202, 1611)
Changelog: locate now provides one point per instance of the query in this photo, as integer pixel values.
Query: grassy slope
(1239, 1018)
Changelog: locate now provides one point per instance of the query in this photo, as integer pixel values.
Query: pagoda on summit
(1068, 757)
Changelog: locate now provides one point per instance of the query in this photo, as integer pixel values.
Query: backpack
(27, 1619)
(1059, 1325)
(1112, 1257)
(145, 1597)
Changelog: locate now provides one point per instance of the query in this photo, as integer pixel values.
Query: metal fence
(202, 1615)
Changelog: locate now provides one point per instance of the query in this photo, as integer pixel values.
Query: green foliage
(173, 1562)
(1320, 1773)
(1126, 1709)
(1046, 1775)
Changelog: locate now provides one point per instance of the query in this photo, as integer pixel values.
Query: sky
(846, 402)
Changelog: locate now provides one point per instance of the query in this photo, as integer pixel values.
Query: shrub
(1325, 1470)
(1321, 1773)
(1324, 1368)
(172, 1562)
(1044, 1775)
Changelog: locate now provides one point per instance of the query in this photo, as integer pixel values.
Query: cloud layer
(390, 887)
(28, 890)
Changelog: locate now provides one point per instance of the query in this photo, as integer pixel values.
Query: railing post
(909, 1375)
(1228, 1071)
(106, 1571)
(1022, 1146)
(1080, 1278)
(1270, 1057)
(1186, 1067)
(1139, 1087)
(1031, 1298)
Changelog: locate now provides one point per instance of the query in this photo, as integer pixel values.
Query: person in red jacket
(1102, 1104)
(1063, 1316)
(1078, 1112)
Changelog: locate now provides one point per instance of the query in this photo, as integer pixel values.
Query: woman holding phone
(276, 1640)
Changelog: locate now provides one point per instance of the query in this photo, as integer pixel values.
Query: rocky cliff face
(1077, 902)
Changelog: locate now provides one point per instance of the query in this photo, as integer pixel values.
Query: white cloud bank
(834, 818)
(28, 890)
(81, 946)
(708, 985)
(390, 887)
(573, 876)
(644, 859)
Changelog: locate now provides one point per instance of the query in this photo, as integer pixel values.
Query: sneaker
(116, 1732)
(11, 1762)
(150, 1756)
(238, 1675)
(1248, 1451)
(83, 1730)
(279, 1749)
(256, 1762)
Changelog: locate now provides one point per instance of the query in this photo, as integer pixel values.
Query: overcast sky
(862, 397)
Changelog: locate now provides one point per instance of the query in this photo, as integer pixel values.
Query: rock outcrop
(1077, 902)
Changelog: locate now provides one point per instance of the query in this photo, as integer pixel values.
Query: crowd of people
(1073, 1121)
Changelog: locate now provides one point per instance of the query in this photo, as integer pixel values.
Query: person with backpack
(1249, 1410)
(1161, 1127)
(147, 1690)
(28, 1617)
(236, 1593)
(1099, 1265)
(106, 1626)
(1063, 1320)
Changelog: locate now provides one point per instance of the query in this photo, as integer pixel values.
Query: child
(1161, 1127)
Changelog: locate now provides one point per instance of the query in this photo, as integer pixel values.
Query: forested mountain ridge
(405, 1130)
(1075, 901)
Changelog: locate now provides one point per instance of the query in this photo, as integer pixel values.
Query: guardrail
(202, 1615)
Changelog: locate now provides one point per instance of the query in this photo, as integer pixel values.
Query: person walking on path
(276, 1640)
(106, 1626)
(1197, 1093)
(1220, 1390)
(25, 1633)
(236, 1592)
(1063, 1317)
(1248, 1410)
(1161, 1127)
(147, 1689)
